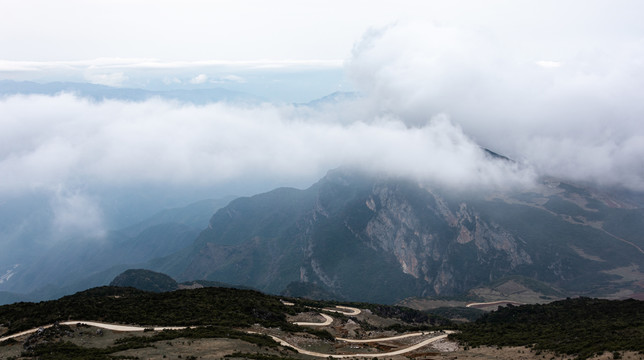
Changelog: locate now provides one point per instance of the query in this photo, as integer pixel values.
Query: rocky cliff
(378, 238)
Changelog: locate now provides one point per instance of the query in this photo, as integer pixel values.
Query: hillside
(76, 265)
(145, 280)
(582, 327)
(110, 322)
(383, 239)
(216, 313)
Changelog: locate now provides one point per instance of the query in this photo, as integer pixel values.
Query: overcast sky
(41, 30)
(556, 85)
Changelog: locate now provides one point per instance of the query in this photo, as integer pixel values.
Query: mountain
(102, 92)
(145, 280)
(246, 324)
(78, 264)
(307, 290)
(333, 98)
(382, 239)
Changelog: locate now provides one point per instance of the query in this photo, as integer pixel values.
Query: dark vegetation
(65, 350)
(207, 283)
(207, 306)
(407, 315)
(454, 312)
(258, 356)
(581, 327)
(145, 280)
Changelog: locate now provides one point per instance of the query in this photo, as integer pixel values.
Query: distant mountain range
(102, 92)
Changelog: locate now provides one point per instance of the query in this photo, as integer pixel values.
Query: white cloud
(579, 121)
(76, 216)
(130, 64)
(171, 80)
(548, 64)
(110, 79)
(233, 78)
(70, 142)
(199, 79)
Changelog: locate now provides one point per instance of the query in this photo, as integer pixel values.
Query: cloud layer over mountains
(577, 114)
(65, 141)
(432, 95)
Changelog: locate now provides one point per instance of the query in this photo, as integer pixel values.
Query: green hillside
(580, 326)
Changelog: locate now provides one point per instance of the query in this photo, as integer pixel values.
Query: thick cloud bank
(561, 102)
(571, 106)
(66, 142)
(67, 147)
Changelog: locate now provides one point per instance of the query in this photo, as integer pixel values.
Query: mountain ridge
(420, 240)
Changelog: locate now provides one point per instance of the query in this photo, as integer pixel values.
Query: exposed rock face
(383, 239)
(397, 228)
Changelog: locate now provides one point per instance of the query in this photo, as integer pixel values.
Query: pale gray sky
(197, 30)
(43, 30)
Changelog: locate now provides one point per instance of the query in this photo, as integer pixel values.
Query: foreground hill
(246, 324)
(212, 312)
(382, 239)
(145, 280)
(582, 327)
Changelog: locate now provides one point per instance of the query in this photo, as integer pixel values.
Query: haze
(557, 87)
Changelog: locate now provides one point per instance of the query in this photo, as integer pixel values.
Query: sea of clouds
(431, 97)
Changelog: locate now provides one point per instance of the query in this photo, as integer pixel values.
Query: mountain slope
(582, 327)
(79, 264)
(383, 239)
(145, 280)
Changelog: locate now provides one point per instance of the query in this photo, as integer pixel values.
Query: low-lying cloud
(68, 147)
(577, 115)
(76, 214)
(67, 141)
(432, 96)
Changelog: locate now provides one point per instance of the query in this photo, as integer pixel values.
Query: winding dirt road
(345, 310)
(101, 325)
(362, 341)
(370, 355)
(350, 311)
(328, 321)
(491, 303)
